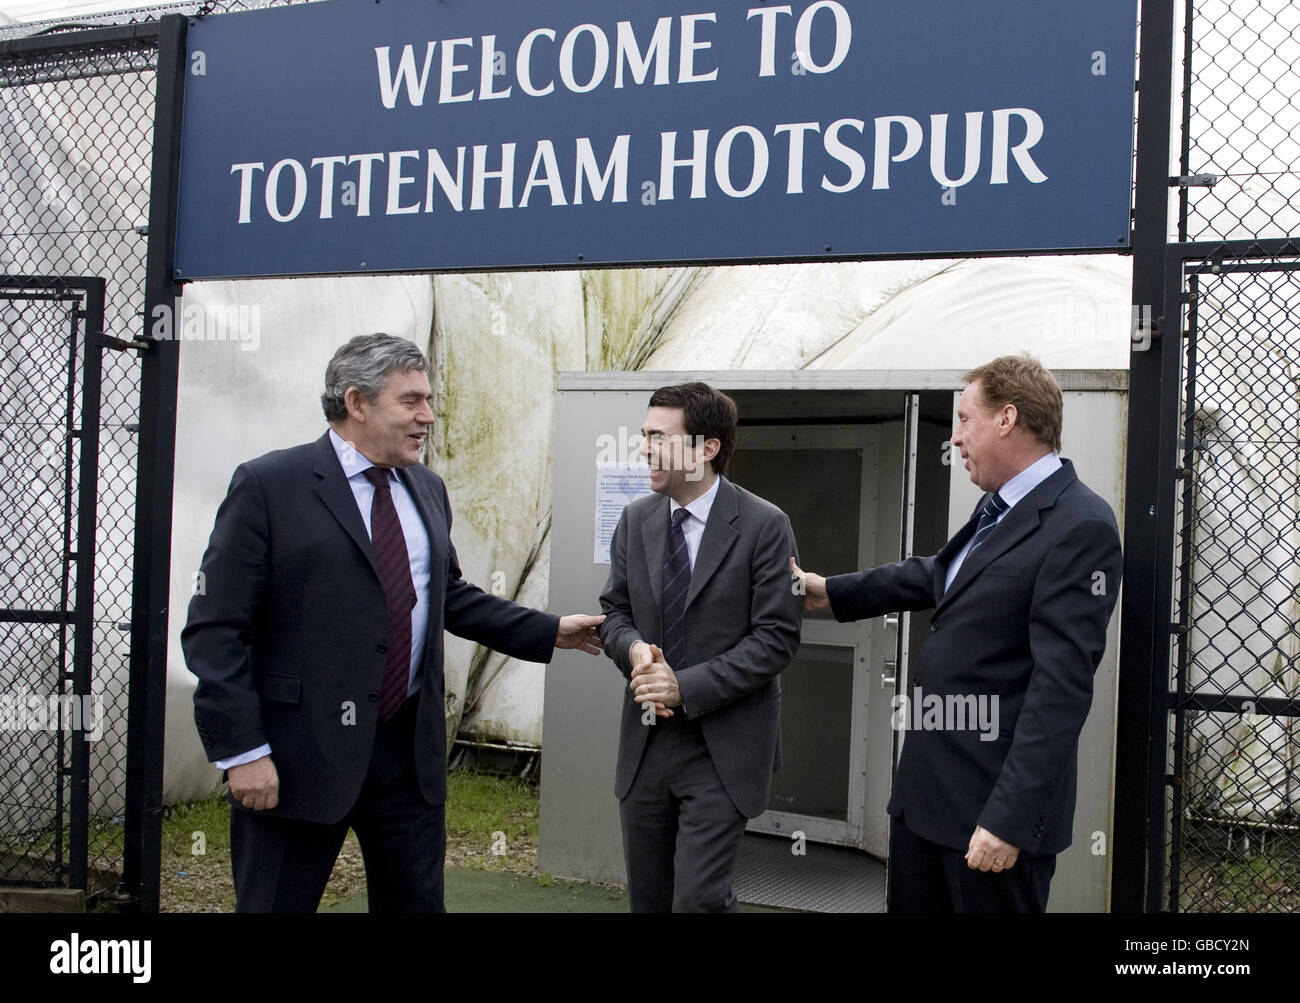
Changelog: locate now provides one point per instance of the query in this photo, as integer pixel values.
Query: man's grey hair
(364, 363)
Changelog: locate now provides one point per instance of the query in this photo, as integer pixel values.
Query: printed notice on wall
(617, 484)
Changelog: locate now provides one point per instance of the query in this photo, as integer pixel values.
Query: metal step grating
(825, 879)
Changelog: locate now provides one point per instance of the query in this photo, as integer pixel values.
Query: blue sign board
(405, 135)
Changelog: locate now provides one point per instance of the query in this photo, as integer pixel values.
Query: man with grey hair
(318, 643)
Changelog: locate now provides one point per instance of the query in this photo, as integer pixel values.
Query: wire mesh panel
(1233, 837)
(1235, 830)
(1241, 119)
(75, 157)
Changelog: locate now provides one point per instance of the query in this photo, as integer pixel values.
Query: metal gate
(1208, 745)
(50, 333)
(77, 149)
(89, 153)
(1234, 834)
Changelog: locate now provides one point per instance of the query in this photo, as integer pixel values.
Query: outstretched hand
(811, 587)
(578, 630)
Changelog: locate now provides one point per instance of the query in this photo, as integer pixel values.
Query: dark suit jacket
(742, 629)
(291, 629)
(1025, 622)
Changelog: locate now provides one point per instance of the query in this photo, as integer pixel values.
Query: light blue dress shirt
(1011, 492)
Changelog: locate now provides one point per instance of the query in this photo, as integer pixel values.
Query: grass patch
(491, 822)
(195, 857)
(1222, 878)
(491, 826)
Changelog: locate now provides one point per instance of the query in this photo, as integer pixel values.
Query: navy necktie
(394, 564)
(677, 582)
(993, 508)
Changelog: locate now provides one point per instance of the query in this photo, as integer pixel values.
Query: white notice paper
(617, 484)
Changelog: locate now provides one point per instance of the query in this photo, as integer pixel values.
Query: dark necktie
(993, 508)
(677, 582)
(389, 544)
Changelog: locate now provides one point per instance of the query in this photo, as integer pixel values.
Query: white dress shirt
(693, 527)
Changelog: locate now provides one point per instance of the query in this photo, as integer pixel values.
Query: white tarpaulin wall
(497, 341)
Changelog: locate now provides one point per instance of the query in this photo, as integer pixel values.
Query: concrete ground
(469, 891)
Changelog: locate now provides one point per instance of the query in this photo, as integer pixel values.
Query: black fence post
(154, 487)
(1137, 848)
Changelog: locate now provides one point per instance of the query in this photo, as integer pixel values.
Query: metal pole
(83, 553)
(151, 573)
(1149, 497)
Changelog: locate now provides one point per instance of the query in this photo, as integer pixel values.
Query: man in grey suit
(701, 618)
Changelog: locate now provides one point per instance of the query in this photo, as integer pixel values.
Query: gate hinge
(1179, 628)
(1194, 181)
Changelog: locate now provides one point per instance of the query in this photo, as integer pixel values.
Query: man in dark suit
(317, 639)
(701, 618)
(1021, 598)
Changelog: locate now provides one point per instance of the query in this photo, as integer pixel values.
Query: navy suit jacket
(1024, 623)
(287, 635)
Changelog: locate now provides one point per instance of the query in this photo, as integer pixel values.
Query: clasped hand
(653, 680)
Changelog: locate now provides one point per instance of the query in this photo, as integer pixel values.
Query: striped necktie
(394, 564)
(677, 582)
(993, 508)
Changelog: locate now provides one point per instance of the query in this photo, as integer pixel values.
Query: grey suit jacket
(742, 629)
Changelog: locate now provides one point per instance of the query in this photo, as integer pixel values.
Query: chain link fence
(75, 158)
(47, 507)
(1241, 120)
(1234, 821)
(76, 153)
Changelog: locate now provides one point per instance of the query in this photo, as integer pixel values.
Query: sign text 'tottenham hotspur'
(371, 136)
